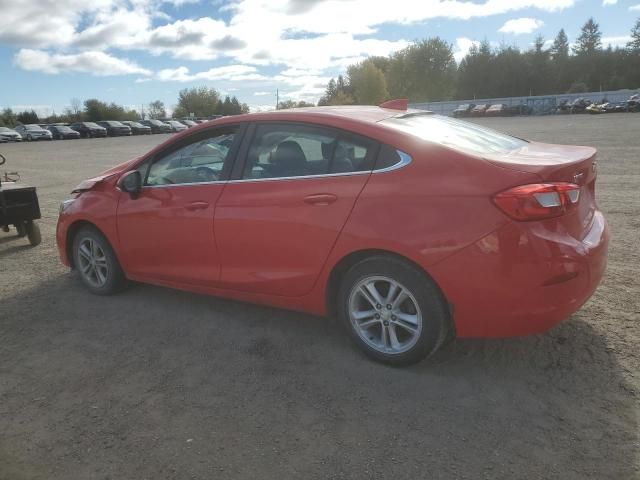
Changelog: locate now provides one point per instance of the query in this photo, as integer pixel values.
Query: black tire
(33, 233)
(29, 138)
(21, 229)
(435, 321)
(115, 280)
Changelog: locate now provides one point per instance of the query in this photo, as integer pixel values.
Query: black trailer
(19, 207)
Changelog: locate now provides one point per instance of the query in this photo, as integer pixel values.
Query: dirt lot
(156, 384)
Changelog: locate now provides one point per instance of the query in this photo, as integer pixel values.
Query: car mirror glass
(131, 183)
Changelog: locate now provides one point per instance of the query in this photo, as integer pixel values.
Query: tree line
(199, 101)
(427, 71)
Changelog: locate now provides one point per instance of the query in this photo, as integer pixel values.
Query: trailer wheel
(21, 228)
(33, 233)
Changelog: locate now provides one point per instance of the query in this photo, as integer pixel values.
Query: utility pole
(277, 98)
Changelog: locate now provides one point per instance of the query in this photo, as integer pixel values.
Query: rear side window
(456, 134)
(289, 150)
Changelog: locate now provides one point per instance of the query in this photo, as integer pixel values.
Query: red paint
(276, 242)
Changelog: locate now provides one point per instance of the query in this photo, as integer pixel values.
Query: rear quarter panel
(433, 207)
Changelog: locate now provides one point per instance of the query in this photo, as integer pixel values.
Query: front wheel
(96, 263)
(392, 310)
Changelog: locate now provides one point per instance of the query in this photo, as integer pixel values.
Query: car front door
(277, 222)
(166, 232)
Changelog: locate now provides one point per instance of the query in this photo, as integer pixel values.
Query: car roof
(364, 120)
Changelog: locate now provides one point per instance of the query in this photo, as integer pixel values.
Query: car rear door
(166, 233)
(278, 218)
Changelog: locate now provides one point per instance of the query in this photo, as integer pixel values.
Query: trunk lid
(559, 163)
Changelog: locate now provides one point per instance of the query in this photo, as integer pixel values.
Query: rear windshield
(455, 133)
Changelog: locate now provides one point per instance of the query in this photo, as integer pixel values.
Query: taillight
(538, 201)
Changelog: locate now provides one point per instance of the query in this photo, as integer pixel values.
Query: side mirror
(131, 182)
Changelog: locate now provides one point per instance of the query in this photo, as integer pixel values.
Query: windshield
(33, 127)
(455, 133)
(92, 125)
(4, 129)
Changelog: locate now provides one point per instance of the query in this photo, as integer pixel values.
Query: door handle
(320, 199)
(196, 206)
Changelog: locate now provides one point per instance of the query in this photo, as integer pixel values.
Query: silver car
(33, 132)
(176, 126)
(9, 135)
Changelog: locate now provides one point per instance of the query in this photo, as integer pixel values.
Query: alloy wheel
(385, 314)
(93, 263)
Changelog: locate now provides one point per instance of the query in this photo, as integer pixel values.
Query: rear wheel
(96, 263)
(33, 233)
(392, 310)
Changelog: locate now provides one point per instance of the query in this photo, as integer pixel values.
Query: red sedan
(410, 227)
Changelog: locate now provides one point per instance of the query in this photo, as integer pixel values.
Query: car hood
(90, 183)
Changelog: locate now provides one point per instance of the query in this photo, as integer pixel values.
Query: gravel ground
(155, 384)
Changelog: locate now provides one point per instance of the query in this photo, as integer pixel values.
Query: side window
(352, 154)
(388, 157)
(198, 162)
(282, 151)
(288, 151)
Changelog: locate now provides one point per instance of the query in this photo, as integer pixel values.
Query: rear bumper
(522, 279)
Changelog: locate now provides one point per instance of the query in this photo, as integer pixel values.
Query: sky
(133, 52)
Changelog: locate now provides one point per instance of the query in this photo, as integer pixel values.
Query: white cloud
(619, 41)
(95, 63)
(519, 26)
(635, 8)
(228, 72)
(262, 94)
(606, 3)
(462, 47)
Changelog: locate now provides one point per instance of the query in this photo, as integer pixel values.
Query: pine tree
(560, 47)
(590, 40)
(634, 44)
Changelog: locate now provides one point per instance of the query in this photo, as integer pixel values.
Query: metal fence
(539, 105)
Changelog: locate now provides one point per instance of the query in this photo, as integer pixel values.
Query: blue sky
(136, 51)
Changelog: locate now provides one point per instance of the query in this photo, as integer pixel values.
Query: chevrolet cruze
(410, 227)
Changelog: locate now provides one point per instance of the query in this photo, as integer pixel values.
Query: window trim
(227, 166)
(340, 134)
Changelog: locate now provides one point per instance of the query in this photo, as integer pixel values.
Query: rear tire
(33, 233)
(96, 263)
(392, 310)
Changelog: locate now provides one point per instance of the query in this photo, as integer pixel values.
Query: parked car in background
(497, 110)
(33, 132)
(114, 128)
(619, 107)
(189, 123)
(298, 214)
(579, 105)
(157, 126)
(176, 126)
(633, 104)
(463, 110)
(479, 110)
(89, 129)
(596, 109)
(9, 135)
(137, 128)
(62, 132)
